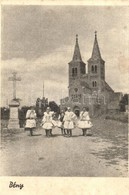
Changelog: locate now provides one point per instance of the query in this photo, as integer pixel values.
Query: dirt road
(103, 154)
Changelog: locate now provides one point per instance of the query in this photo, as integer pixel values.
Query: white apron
(30, 119)
(47, 121)
(69, 119)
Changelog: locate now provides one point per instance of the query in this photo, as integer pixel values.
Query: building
(90, 88)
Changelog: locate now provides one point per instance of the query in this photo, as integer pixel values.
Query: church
(88, 88)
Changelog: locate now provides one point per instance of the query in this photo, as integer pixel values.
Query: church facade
(88, 89)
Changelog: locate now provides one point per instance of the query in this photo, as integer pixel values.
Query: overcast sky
(38, 42)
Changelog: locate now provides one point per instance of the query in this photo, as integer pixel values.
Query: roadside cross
(14, 78)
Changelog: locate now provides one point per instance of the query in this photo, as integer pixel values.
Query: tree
(22, 115)
(41, 105)
(5, 113)
(54, 107)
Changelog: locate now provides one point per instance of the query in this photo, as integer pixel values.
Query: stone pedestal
(14, 121)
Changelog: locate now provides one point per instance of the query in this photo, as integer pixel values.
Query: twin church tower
(89, 88)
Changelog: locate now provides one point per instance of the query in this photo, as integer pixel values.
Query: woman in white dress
(69, 120)
(47, 122)
(84, 123)
(30, 120)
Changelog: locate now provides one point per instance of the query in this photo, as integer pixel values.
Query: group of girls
(66, 121)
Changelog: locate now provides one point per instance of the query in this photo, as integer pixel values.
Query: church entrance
(76, 111)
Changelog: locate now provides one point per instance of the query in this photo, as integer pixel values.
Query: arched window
(93, 84)
(92, 68)
(75, 72)
(95, 69)
(72, 71)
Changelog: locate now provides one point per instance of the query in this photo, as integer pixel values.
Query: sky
(38, 42)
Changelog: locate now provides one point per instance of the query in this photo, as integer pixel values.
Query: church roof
(96, 51)
(77, 54)
(106, 86)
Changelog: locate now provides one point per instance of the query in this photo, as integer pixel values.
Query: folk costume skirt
(30, 123)
(68, 125)
(84, 124)
(47, 125)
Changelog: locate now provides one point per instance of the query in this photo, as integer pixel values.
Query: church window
(93, 83)
(72, 71)
(75, 71)
(95, 69)
(92, 68)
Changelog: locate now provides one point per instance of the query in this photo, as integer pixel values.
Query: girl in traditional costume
(30, 120)
(69, 120)
(47, 122)
(61, 122)
(84, 123)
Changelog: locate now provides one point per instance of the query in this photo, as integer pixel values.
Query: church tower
(76, 70)
(96, 67)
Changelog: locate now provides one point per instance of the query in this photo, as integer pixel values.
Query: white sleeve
(59, 117)
(80, 115)
(44, 118)
(88, 117)
(74, 116)
(64, 117)
(35, 115)
(28, 114)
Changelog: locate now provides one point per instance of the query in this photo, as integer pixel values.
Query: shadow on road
(36, 135)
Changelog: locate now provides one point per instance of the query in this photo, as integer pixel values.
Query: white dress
(84, 122)
(30, 119)
(47, 121)
(69, 119)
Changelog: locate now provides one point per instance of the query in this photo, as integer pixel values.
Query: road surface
(104, 154)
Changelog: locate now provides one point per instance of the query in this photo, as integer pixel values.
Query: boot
(31, 132)
(65, 132)
(50, 132)
(70, 132)
(62, 131)
(47, 133)
(83, 132)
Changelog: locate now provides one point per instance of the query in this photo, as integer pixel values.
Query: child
(69, 119)
(84, 122)
(47, 123)
(61, 122)
(30, 120)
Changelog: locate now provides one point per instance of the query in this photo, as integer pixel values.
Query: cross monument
(14, 78)
(14, 105)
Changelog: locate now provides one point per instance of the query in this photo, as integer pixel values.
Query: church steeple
(77, 54)
(96, 52)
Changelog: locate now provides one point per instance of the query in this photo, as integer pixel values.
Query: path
(23, 155)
